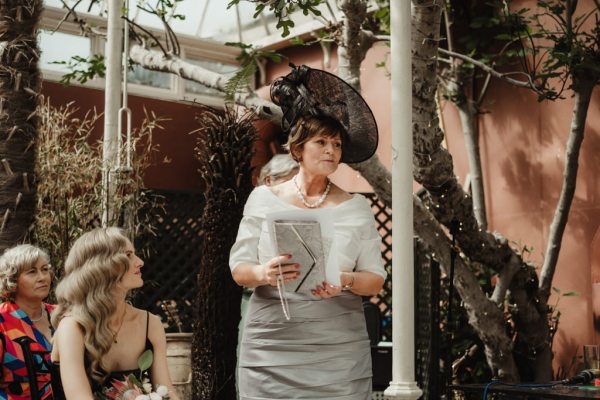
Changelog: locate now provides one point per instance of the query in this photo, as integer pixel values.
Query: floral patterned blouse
(15, 329)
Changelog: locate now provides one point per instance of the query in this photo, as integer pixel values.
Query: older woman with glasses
(25, 328)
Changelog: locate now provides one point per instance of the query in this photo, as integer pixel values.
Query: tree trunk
(470, 126)
(450, 204)
(19, 90)
(583, 93)
(225, 151)
(484, 315)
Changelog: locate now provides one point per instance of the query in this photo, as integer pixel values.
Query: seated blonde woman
(99, 336)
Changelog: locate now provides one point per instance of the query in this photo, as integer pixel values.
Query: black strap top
(57, 388)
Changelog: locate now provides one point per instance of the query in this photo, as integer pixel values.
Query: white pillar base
(403, 390)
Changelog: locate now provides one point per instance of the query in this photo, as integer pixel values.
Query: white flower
(162, 390)
(147, 387)
(155, 396)
(143, 397)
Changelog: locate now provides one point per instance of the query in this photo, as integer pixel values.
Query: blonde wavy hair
(95, 265)
(13, 262)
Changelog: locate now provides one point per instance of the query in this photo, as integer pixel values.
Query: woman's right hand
(270, 270)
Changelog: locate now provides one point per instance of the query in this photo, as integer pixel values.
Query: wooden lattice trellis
(172, 257)
(383, 217)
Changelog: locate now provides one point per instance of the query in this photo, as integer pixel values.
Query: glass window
(58, 46)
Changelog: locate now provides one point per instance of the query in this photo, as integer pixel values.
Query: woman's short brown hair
(308, 127)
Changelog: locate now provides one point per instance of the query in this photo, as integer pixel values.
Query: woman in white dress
(323, 351)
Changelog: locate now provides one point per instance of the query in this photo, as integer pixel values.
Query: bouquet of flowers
(134, 388)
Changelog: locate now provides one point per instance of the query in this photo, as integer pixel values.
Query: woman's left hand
(327, 290)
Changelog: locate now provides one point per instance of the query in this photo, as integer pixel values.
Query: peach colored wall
(522, 149)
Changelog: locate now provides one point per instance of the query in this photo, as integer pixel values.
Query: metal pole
(112, 95)
(403, 385)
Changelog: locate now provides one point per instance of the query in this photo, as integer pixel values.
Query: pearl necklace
(316, 203)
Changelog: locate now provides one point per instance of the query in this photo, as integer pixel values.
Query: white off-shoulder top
(358, 243)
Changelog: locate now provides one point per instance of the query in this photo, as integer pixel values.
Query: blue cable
(524, 385)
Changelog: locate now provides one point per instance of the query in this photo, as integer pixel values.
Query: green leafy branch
(82, 69)
(573, 52)
(282, 10)
(553, 312)
(249, 59)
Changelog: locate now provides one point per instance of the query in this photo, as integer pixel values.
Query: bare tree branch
(529, 84)
(158, 61)
(71, 10)
(583, 95)
(147, 32)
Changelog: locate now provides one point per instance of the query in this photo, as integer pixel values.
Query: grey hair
(14, 261)
(280, 165)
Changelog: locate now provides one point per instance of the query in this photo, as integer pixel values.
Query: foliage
(569, 52)
(481, 31)
(283, 9)
(249, 59)
(224, 150)
(136, 388)
(163, 8)
(69, 170)
(554, 312)
(83, 69)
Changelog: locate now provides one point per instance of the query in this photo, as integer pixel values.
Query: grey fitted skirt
(323, 352)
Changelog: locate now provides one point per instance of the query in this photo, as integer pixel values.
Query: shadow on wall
(523, 172)
(573, 362)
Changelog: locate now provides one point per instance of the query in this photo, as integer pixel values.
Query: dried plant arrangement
(69, 171)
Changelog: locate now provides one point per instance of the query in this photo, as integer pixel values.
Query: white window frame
(191, 47)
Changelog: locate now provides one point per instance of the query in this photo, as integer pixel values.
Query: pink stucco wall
(523, 152)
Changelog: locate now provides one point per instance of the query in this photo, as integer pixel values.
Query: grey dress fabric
(323, 352)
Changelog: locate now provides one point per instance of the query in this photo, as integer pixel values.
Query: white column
(403, 385)
(112, 102)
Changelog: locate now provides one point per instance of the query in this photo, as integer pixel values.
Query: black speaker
(382, 365)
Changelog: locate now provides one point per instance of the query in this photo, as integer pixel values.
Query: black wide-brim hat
(312, 92)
